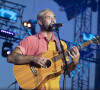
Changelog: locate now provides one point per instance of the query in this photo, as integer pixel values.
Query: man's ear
(40, 22)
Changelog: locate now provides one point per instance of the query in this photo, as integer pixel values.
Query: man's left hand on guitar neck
(74, 54)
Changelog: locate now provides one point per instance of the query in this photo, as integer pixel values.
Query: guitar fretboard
(60, 56)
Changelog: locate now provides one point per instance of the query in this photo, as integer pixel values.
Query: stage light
(78, 70)
(72, 73)
(29, 25)
(8, 14)
(6, 33)
(25, 24)
(88, 36)
(6, 48)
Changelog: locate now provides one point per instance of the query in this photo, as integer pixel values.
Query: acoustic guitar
(31, 76)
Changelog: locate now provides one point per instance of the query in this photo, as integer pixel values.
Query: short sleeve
(23, 46)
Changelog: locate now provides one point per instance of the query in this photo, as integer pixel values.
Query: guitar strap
(58, 46)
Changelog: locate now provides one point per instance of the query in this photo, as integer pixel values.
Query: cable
(11, 84)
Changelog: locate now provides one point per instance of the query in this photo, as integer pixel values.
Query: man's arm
(71, 66)
(16, 57)
(75, 58)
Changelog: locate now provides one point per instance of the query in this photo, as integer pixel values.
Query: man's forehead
(49, 13)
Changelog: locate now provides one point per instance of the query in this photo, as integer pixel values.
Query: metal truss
(14, 26)
(80, 76)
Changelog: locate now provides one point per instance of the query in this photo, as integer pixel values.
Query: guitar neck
(84, 44)
(60, 56)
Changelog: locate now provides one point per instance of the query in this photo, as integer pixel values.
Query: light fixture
(6, 48)
(87, 36)
(25, 24)
(6, 33)
(8, 14)
(29, 25)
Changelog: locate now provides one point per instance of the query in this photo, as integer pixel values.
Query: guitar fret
(60, 56)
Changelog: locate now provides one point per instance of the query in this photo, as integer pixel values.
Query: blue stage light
(72, 73)
(7, 47)
(6, 33)
(8, 14)
(78, 70)
(88, 36)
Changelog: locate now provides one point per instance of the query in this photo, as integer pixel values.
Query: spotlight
(29, 25)
(6, 48)
(25, 24)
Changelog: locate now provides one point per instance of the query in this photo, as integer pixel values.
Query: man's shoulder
(33, 36)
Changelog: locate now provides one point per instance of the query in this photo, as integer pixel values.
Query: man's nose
(53, 20)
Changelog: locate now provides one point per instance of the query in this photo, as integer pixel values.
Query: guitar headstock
(96, 39)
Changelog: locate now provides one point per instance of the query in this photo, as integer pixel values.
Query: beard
(47, 28)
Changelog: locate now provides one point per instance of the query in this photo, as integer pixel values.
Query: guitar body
(26, 78)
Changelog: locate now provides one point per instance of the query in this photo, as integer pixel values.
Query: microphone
(56, 25)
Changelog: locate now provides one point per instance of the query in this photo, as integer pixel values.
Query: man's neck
(48, 35)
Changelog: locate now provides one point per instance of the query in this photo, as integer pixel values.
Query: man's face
(48, 18)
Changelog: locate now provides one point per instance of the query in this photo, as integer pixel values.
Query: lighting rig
(10, 14)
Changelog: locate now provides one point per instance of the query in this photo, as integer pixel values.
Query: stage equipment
(87, 36)
(30, 24)
(27, 24)
(8, 14)
(83, 23)
(11, 15)
(86, 54)
(6, 48)
(97, 66)
(6, 33)
(74, 7)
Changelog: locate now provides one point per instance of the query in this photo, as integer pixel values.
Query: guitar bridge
(33, 70)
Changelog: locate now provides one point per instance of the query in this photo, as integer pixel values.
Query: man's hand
(74, 54)
(39, 60)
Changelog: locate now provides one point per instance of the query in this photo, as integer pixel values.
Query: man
(29, 50)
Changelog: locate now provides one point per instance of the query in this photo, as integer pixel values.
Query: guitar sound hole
(48, 63)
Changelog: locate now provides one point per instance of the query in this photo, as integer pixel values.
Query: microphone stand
(64, 61)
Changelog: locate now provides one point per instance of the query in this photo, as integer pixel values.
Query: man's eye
(48, 17)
